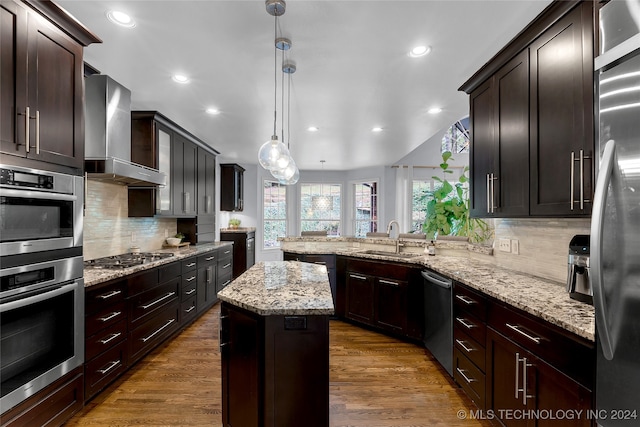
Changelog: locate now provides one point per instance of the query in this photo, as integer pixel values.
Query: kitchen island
(274, 342)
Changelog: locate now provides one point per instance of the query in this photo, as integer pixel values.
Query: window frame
(336, 219)
(354, 212)
(266, 220)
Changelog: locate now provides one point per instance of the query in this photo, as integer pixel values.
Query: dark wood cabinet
(206, 280)
(224, 267)
(562, 116)
(231, 187)
(275, 369)
(360, 297)
(184, 172)
(206, 183)
(42, 88)
(244, 242)
(531, 111)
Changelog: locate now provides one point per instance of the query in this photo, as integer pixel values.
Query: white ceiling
(353, 69)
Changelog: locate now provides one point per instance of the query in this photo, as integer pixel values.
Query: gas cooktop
(125, 260)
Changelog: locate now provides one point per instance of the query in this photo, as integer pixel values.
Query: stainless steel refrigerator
(615, 226)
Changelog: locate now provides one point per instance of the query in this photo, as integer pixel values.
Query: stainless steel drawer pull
(465, 323)
(355, 276)
(111, 316)
(110, 294)
(464, 346)
(516, 328)
(319, 262)
(110, 367)
(190, 309)
(190, 291)
(227, 252)
(191, 264)
(158, 330)
(465, 299)
(517, 387)
(226, 265)
(159, 300)
(388, 282)
(525, 396)
(111, 338)
(226, 283)
(189, 279)
(466, 378)
(211, 258)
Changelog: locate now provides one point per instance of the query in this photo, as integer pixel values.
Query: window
(274, 200)
(366, 208)
(320, 206)
(456, 138)
(419, 203)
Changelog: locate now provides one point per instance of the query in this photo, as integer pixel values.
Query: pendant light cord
(275, 74)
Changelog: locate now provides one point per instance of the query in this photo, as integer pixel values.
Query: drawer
(470, 378)
(561, 349)
(225, 267)
(97, 298)
(225, 252)
(105, 368)
(328, 260)
(188, 289)
(151, 301)
(189, 264)
(380, 269)
(470, 325)
(470, 301)
(141, 282)
(223, 281)
(169, 272)
(472, 349)
(153, 331)
(207, 259)
(188, 310)
(189, 278)
(105, 318)
(105, 339)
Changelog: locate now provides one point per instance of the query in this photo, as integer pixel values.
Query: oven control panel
(16, 178)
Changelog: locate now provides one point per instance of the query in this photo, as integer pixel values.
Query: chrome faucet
(389, 227)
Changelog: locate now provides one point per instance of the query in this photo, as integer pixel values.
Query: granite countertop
(540, 297)
(94, 276)
(281, 288)
(238, 230)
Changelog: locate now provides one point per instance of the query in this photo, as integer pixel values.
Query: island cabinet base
(275, 369)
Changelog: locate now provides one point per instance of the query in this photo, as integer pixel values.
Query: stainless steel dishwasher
(438, 323)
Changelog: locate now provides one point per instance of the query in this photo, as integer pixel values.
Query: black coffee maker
(578, 272)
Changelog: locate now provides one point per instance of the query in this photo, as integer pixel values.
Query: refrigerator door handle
(597, 224)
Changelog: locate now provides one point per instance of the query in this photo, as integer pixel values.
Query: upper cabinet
(189, 165)
(231, 187)
(42, 92)
(531, 115)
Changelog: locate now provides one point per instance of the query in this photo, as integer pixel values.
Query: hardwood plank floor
(375, 381)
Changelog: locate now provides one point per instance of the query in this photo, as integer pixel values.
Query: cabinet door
(206, 182)
(561, 115)
(360, 298)
(184, 163)
(483, 149)
(231, 187)
(164, 140)
(56, 94)
(511, 172)
(391, 304)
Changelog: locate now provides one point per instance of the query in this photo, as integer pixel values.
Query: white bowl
(173, 241)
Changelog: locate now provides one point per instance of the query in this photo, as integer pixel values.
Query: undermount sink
(392, 254)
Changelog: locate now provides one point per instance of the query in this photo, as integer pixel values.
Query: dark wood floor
(376, 381)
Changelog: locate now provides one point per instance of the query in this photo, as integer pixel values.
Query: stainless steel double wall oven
(42, 290)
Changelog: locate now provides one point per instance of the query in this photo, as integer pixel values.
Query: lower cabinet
(206, 280)
(275, 369)
(224, 267)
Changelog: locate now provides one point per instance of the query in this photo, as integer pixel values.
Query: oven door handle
(23, 302)
(28, 194)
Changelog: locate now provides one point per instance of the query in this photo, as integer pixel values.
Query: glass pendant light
(273, 154)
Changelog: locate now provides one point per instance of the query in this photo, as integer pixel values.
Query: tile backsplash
(109, 231)
(543, 245)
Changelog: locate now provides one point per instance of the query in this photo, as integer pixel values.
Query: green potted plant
(447, 208)
(234, 223)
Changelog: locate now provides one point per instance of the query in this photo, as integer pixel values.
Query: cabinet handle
(227, 252)
(110, 294)
(525, 396)
(190, 309)
(318, 262)
(464, 346)
(466, 378)
(211, 258)
(517, 387)
(37, 131)
(572, 172)
(464, 323)
(191, 264)
(581, 158)
(26, 129)
(355, 276)
(190, 291)
(208, 274)
(226, 283)
(226, 265)
(388, 282)
(220, 331)
(111, 316)
(488, 195)
(516, 328)
(189, 279)
(186, 201)
(151, 304)
(110, 367)
(465, 299)
(145, 339)
(111, 338)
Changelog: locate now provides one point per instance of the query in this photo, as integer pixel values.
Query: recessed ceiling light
(376, 129)
(313, 129)
(180, 78)
(435, 110)
(121, 18)
(212, 111)
(419, 51)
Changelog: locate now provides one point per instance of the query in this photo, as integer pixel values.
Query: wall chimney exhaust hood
(107, 150)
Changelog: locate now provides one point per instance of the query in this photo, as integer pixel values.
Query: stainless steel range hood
(107, 150)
